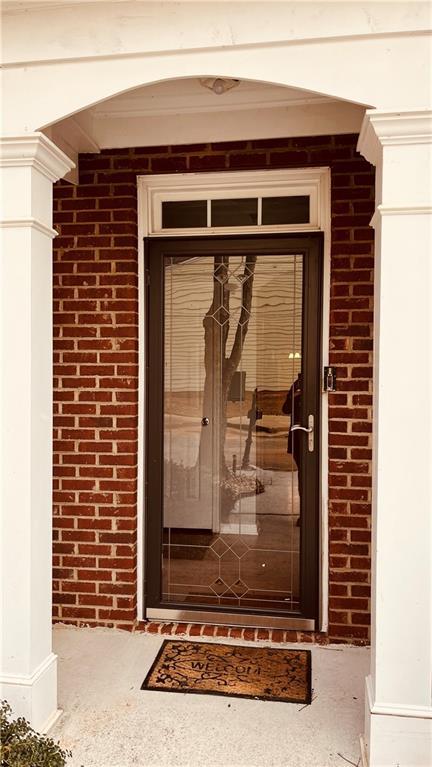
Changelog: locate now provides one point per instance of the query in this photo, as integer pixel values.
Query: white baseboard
(51, 721)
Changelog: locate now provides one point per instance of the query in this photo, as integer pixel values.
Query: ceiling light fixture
(219, 85)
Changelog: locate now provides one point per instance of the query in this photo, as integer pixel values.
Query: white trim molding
(389, 128)
(310, 182)
(37, 151)
(404, 210)
(31, 223)
(386, 709)
(34, 696)
(399, 210)
(28, 680)
(315, 182)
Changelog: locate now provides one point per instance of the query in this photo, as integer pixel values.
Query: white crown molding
(404, 210)
(119, 113)
(197, 103)
(28, 223)
(390, 128)
(236, 179)
(399, 210)
(190, 96)
(37, 151)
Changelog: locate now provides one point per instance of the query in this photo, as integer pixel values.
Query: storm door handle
(309, 429)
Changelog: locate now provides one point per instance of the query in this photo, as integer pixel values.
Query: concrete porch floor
(109, 722)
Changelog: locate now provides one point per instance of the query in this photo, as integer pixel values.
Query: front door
(233, 428)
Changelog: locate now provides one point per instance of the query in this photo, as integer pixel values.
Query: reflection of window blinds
(274, 331)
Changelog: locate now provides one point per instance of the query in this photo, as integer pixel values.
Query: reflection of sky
(274, 330)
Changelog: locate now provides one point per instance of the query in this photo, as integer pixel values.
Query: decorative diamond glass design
(232, 471)
(221, 315)
(221, 274)
(219, 547)
(239, 547)
(219, 587)
(239, 588)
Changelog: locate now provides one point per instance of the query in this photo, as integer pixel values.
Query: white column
(29, 165)
(398, 728)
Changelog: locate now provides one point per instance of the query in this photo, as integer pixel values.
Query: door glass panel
(232, 470)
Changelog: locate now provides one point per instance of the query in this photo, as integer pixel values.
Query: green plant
(21, 746)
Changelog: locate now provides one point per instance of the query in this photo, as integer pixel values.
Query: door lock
(309, 429)
(329, 378)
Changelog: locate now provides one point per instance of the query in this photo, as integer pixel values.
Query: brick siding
(96, 373)
(281, 636)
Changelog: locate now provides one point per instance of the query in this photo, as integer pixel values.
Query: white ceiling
(189, 95)
(10, 6)
(183, 111)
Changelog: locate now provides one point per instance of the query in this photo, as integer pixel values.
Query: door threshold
(230, 619)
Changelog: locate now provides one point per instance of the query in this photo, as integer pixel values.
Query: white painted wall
(63, 59)
(90, 29)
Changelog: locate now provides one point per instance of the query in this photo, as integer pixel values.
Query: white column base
(34, 696)
(396, 736)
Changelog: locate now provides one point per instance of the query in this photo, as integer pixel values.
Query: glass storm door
(233, 370)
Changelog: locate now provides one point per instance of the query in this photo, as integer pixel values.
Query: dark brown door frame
(310, 245)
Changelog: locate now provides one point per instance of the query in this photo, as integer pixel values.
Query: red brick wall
(96, 376)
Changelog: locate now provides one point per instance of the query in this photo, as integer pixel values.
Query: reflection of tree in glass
(220, 363)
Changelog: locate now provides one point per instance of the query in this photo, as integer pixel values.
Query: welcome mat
(265, 673)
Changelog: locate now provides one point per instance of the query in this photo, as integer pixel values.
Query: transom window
(240, 211)
(235, 202)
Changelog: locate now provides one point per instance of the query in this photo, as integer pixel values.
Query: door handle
(309, 429)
